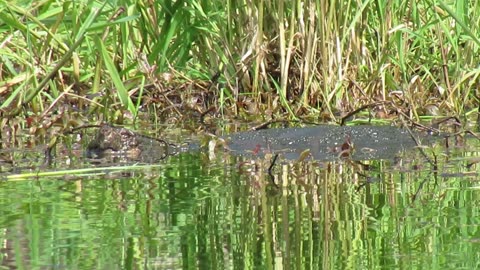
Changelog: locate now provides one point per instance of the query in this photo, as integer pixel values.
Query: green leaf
(115, 76)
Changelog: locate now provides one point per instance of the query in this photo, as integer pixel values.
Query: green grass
(77, 172)
(281, 59)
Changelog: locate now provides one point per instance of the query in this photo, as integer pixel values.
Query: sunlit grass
(295, 58)
(77, 173)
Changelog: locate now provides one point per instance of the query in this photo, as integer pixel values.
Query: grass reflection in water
(196, 212)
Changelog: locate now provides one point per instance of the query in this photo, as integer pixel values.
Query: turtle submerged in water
(322, 142)
(124, 143)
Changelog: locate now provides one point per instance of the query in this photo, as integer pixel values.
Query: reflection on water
(192, 212)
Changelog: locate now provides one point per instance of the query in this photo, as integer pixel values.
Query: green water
(194, 211)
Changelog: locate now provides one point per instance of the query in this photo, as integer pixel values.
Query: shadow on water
(220, 211)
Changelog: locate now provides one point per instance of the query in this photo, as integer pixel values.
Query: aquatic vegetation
(172, 61)
(67, 66)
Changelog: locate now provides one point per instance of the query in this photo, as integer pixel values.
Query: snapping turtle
(126, 144)
(322, 142)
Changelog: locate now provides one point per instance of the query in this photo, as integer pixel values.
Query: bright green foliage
(301, 54)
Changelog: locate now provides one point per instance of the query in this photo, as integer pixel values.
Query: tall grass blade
(458, 19)
(115, 76)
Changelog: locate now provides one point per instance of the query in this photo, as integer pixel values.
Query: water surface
(201, 211)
